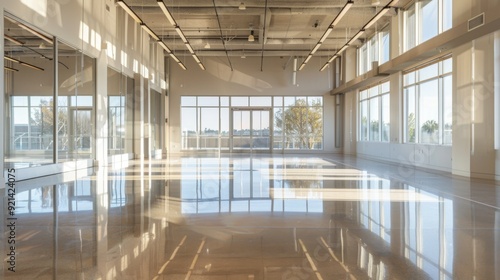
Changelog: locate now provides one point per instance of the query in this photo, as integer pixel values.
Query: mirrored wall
(46, 123)
(120, 112)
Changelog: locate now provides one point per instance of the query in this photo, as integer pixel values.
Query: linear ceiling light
(165, 47)
(11, 59)
(302, 66)
(166, 12)
(10, 69)
(202, 66)
(325, 35)
(196, 58)
(308, 58)
(332, 58)
(181, 34)
(376, 17)
(188, 46)
(23, 63)
(182, 65)
(342, 13)
(31, 66)
(150, 32)
(129, 11)
(13, 40)
(353, 39)
(174, 57)
(36, 33)
(324, 67)
(315, 48)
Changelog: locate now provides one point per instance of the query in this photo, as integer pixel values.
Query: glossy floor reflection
(254, 218)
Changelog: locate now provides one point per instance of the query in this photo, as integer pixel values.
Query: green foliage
(301, 123)
(430, 126)
(411, 127)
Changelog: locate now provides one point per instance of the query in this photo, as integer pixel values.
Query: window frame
(365, 96)
(416, 83)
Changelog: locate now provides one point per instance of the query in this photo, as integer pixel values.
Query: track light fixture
(251, 38)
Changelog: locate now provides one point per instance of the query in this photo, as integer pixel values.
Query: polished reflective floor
(259, 217)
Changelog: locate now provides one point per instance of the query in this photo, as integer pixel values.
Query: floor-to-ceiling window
(428, 103)
(252, 123)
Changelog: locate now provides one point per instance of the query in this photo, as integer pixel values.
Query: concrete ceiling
(285, 28)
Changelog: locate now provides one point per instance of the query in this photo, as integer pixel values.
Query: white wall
(247, 79)
(89, 26)
(476, 76)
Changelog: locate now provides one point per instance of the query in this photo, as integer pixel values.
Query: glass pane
(260, 129)
(264, 101)
(289, 100)
(447, 110)
(385, 87)
(385, 46)
(278, 101)
(224, 128)
(410, 114)
(447, 14)
(85, 101)
(428, 72)
(300, 101)
(188, 100)
(224, 101)
(386, 118)
(208, 101)
(315, 101)
(363, 94)
(409, 79)
(28, 116)
(429, 112)
(447, 65)
(237, 101)
(19, 100)
(209, 128)
(241, 130)
(189, 128)
(429, 19)
(410, 21)
(363, 131)
(374, 120)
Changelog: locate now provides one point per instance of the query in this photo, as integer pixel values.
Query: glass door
(251, 130)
